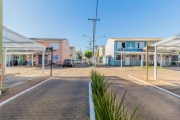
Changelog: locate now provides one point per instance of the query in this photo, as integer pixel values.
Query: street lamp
(93, 45)
(99, 37)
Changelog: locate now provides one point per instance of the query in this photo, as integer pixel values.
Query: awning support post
(141, 60)
(161, 60)
(32, 61)
(155, 62)
(43, 61)
(147, 62)
(9, 60)
(121, 59)
(4, 61)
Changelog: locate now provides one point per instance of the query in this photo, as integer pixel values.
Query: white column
(4, 61)
(43, 52)
(161, 60)
(141, 60)
(155, 63)
(32, 61)
(121, 59)
(9, 60)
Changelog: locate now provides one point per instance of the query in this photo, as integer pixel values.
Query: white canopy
(172, 43)
(15, 41)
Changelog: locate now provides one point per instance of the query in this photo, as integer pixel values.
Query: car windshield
(67, 60)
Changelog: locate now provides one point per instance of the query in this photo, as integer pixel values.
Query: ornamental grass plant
(105, 104)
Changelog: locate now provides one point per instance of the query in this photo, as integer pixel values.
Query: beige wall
(73, 54)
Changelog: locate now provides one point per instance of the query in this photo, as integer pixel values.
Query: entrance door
(133, 60)
(40, 59)
(127, 60)
(167, 61)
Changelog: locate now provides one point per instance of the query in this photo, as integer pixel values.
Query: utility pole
(1, 12)
(93, 36)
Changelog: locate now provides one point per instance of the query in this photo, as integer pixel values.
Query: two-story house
(73, 52)
(127, 51)
(61, 50)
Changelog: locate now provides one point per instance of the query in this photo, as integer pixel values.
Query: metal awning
(135, 52)
(15, 41)
(172, 43)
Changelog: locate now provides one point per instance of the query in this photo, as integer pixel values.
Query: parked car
(77, 61)
(68, 63)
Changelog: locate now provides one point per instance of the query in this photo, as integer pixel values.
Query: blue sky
(68, 19)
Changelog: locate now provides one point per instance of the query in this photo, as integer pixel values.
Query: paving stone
(59, 98)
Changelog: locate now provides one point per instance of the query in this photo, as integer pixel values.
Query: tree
(80, 57)
(88, 54)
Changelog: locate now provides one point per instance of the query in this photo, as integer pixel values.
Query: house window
(118, 57)
(121, 45)
(139, 45)
(55, 58)
(174, 58)
(138, 57)
(54, 45)
(16, 57)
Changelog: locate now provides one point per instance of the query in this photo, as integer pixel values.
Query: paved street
(63, 97)
(66, 96)
(153, 102)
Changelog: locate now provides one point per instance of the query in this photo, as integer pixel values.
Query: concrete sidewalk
(21, 74)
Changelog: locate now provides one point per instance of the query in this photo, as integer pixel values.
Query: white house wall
(109, 50)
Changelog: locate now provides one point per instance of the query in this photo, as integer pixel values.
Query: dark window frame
(119, 57)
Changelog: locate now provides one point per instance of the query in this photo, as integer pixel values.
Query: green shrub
(90, 63)
(105, 104)
(173, 63)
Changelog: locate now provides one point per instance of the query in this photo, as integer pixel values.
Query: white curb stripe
(4, 102)
(91, 104)
(156, 87)
(162, 81)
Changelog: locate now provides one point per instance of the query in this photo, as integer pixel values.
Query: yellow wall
(101, 49)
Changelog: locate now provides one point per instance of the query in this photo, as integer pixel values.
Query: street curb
(13, 97)
(159, 88)
(91, 104)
